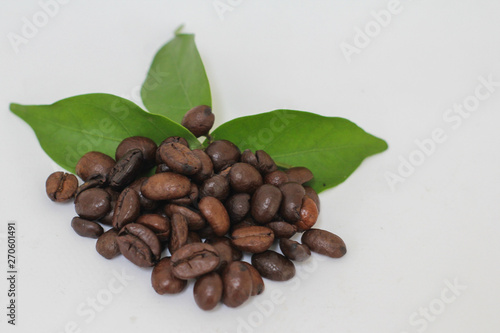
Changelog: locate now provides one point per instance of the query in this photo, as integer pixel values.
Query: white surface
(405, 245)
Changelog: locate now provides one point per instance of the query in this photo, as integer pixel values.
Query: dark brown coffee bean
(324, 242)
(237, 281)
(247, 156)
(168, 140)
(206, 232)
(254, 239)
(86, 228)
(216, 186)
(93, 204)
(223, 153)
(199, 120)
(244, 178)
(191, 198)
(293, 193)
(238, 206)
(94, 165)
(127, 208)
(193, 237)
(257, 282)
(216, 215)
(308, 215)
(193, 260)
(139, 245)
(145, 145)
(194, 219)
(294, 250)
(208, 291)
(61, 186)
(146, 203)
(126, 169)
(180, 158)
(207, 167)
(108, 218)
(158, 224)
(107, 244)
(273, 266)
(276, 178)
(227, 252)
(95, 182)
(247, 222)
(282, 229)
(265, 163)
(164, 281)
(299, 175)
(265, 203)
(311, 193)
(166, 186)
(179, 234)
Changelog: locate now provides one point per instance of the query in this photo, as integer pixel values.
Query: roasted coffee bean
(237, 281)
(216, 215)
(207, 167)
(93, 204)
(293, 193)
(299, 175)
(168, 140)
(179, 234)
(127, 208)
(282, 229)
(191, 198)
(223, 153)
(180, 158)
(238, 206)
(91, 183)
(107, 244)
(265, 203)
(108, 218)
(208, 291)
(193, 260)
(254, 239)
(257, 282)
(294, 250)
(162, 167)
(166, 186)
(145, 145)
(159, 224)
(206, 232)
(194, 219)
(311, 193)
(227, 252)
(61, 186)
(225, 171)
(139, 245)
(273, 266)
(86, 228)
(126, 169)
(308, 215)
(247, 156)
(244, 178)
(146, 203)
(164, 281)
(94, 165)
(199, 120)
(324, 242)
(276, 178)
(247, 222)
(193, 237)
(216, 186)
(265, 162)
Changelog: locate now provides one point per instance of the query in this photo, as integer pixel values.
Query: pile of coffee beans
(196, 216)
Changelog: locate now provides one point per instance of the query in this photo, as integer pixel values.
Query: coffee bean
(299, 175)
(216, 215)
(237, 282)
(61, 186)
(273, 266)
(107, 244)
(324, 242)
(158, 224)
(108, 218)
(208, 291)
(145, 145)
(127, 208)
(282, 229)
(126, 169)
(223, 153)
(139, 245)
(94, 165)
(194, 219)
(191, 198)
(260, 160)
(199, 120)
(293, 193)
(244, 178)
(227, 252)
(86, 228)
(179, 235)
(193, 260)
(216, 186)
(238, 206)
(207, 167)
(308, 214)
(193, 237)
(265, 203)
(247, 222)
(146, 203)
(166, 186)
(257, 282)
(180, 158)
(93, 204)
(163, 279)
(311, 193)
(276, 178)
(162, 167)
(254, 239)
(294, 250)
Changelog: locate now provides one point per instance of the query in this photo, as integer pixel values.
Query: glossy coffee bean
(86, 228)
(94, 165)
(166, 186)
(107, 244)
(61, 186)
(139, 245)
(93, 204)
(282, 229)
(193, 260)
(244, 178)
(238, 286)
(207, 167)
(108, 218)
(265, 203)
(180, 158)
(145, 145)
(308, 215)
(126, 169)
(257, 281)
(168, 140)
(223, 153)
(216, 215)
(216, 186)
(194, 219)
(299, 175)
(208, 291)
(276, 178)
(179, 233)
(238, 206)
(199, 120)
(293, 193)
(158, 224)
(254, 239)
(324, 242)
(191, 198)
(273, 266)
(294, 250)
(146, 203)
(311, 193)
(227, 252)
(163, 279)
(127, 208)
(260, 160)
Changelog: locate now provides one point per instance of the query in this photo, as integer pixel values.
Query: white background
(406, 243)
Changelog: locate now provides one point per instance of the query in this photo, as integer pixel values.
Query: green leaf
(74, 126)
(176, 81)
(331, 147)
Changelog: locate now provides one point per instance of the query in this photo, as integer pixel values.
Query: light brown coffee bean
(166, 186)
(216, 215)
(208, 291)
(253, 239)
(127, 208)
(158, 224)
(237, 281)
(194, 218)
(179, 158)
(257, 281)
(179, 233)
(61, 186)
(308, 215)
(163, 279)
(193, 260)
(107, 244)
